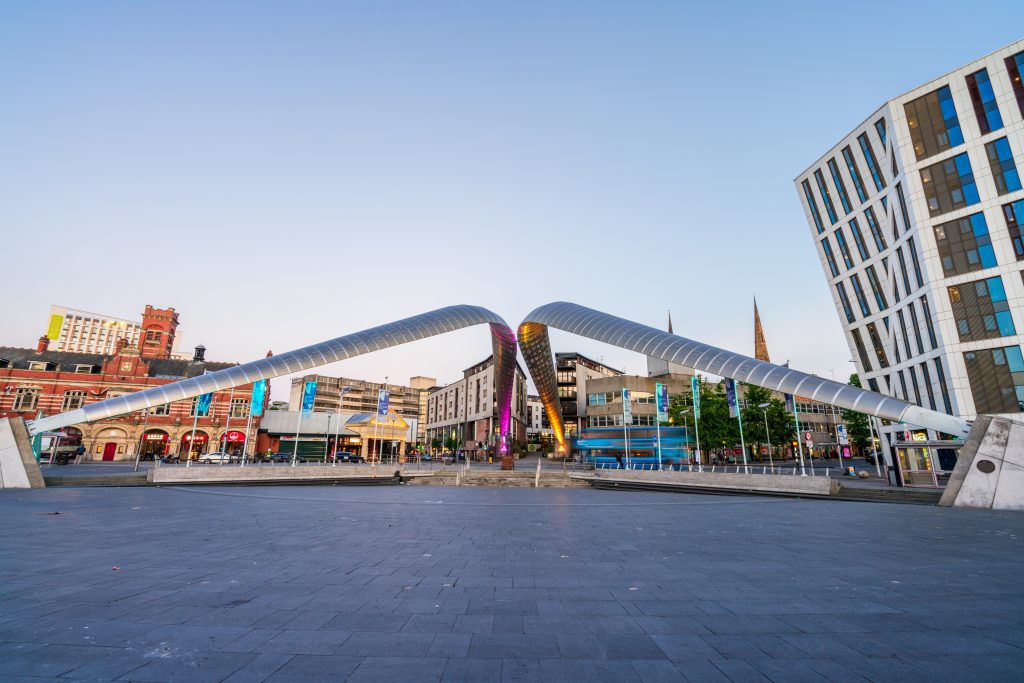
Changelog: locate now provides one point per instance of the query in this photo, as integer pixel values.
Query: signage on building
(308, 395)
(259, 391)
(627, 408)
(56, 322)
(808, 437)
(199, 437)
(156, 437)
(291, 437)
(661, 398)
(383, 397)
(695, 390)
(234, 436)
(730, 395)
(841, 433)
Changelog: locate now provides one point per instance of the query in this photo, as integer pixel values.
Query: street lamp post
(337, 422)
(764, 409)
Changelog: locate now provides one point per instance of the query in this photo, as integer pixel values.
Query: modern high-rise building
(76, 331)
(916, 217)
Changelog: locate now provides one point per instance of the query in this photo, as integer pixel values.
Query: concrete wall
(989, 471)
(18, 467)
(774, 483)
(212, 474)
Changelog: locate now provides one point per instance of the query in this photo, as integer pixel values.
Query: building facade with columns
(41, 381)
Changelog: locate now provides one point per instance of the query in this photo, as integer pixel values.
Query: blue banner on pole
(790, 403)
(627, 408)
(308, 394)
(383, 396)
(259, 394)
(661, 398)
(695, 388)
(203, 404)
(730, 395)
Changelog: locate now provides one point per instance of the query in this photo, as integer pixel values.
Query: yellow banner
(56, 321)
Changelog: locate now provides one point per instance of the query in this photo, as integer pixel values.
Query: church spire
(670, 322)
(760, 345)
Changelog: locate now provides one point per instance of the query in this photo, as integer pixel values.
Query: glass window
(880, 129)
(192, 408)
(949, 185)
(984, 101)
(1014, 215)
(872, 162)
(929, 324)
(845, 301)
(239, 407)
(876, 288)
(912, 314)
(73, 400)
(903, 206)
(844, 198)
(876, 230)
(162, 409)
(876, 342)
(981, 310)
(913, 259)
(1004, 170)
(851, 166)
(829, 257)
(913, 383)
(928, 385)
(826, 197)
(903, 270)
(996, 377)
(1014, 67)
(862, 353)
(933, 123)
(25, 399)
(940, 374)
(903, 333)
(858, 239)
(964, 245)
(858, 291)
(813, 206)
(843, 248)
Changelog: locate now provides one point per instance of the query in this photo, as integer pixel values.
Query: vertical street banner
(382, 401)
(695, 389)
(259, 393)
(844, 439)
(56, 322)
(790, 403)
(730, 395)
(308, 394)
(203, 404)
(661, 399)
(627, 409)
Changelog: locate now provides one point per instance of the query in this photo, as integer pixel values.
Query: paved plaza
(425, 584)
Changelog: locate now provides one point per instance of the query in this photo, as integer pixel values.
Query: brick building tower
(159, 325)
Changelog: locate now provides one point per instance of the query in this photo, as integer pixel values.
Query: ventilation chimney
(200, 354)
(43, 345)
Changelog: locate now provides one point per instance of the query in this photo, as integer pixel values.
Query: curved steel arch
(586, 322)
(417, 327)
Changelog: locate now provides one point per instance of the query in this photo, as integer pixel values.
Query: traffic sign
(808, 436)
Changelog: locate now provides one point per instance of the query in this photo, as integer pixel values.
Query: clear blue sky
(283, 173)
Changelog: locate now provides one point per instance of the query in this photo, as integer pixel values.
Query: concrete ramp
(18, 467)
(989, 471)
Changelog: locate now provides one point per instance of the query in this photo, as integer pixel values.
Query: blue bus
(605, 447)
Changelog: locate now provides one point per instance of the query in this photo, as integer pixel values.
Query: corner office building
(916, 216)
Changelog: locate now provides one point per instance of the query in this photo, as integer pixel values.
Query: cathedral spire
(760, 345)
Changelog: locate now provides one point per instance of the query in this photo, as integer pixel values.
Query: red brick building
(38, 381)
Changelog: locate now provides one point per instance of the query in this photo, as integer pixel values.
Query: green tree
(780, 426)
(857, 423)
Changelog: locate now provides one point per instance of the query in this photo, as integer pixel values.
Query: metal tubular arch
(587, 322)
(430, 324)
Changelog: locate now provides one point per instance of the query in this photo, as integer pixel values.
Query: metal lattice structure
(430, 324)
(649, 341)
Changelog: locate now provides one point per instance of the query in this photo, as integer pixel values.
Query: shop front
(154, 444)
(925, 463)
(232, 442)
(194, 447)
(310, 447)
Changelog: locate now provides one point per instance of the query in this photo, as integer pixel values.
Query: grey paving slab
(514, 584)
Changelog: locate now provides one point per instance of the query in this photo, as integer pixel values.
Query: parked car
(345, 456)
(280, 456)
(871, 457)
(218, 457)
